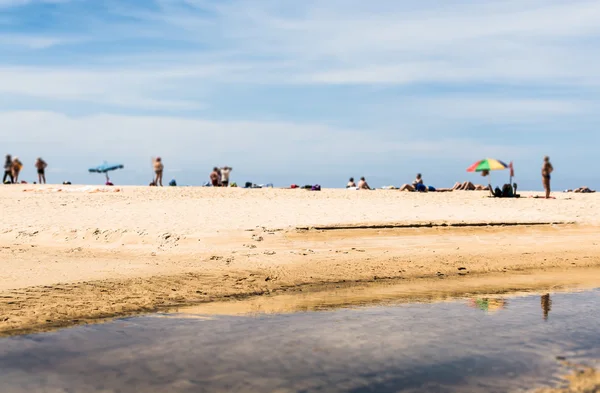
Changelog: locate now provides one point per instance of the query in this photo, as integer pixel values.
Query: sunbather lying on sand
(584, 190)
(468, 186)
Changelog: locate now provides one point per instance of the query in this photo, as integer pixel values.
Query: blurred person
(41, 166)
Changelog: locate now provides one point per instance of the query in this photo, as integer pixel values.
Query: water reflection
(444, 347)
(493, 305)
(490, 306)
(546, 305)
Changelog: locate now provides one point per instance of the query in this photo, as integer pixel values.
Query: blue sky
(310, 91)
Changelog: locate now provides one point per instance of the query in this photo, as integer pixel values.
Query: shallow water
(468, 345)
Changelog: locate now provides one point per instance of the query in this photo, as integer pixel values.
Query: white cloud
(253, 144)
(30, 42)
(20, 3)
(494, 109)
(337, 42)
(126, 88)
(349, 42)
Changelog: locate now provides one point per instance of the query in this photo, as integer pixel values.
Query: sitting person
(351, 183)
(507, 191)
(417, 185)
(363, 185)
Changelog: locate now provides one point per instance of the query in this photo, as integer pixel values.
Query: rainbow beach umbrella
(489, 164)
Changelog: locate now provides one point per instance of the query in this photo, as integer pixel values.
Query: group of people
(362, 184)
(219, 177)
(13, 167)
(418, 184)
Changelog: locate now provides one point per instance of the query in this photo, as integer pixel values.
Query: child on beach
(41, 165)
(158, 171)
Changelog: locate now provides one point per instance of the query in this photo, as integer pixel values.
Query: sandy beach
(75, 254)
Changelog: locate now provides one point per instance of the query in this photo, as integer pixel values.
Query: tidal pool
(484, 344)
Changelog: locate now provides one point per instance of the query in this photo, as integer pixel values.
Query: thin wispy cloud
(355, 81)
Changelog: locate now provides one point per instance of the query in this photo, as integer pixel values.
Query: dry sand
(74, 256)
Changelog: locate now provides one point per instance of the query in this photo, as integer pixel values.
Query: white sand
(206, 210)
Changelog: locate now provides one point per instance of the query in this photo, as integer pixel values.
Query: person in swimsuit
(215, 177)
(8, 173)
(351, 183)
(547, 169)
(363, 185)
(41, 165)
(158, 171)
(17, 165)
(417, 185)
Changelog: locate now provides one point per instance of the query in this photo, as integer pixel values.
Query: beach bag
(173, 183)
(498, 192)
(316, 187)
(248, 185)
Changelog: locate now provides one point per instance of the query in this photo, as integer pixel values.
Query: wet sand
(583, 379)
(74, 256)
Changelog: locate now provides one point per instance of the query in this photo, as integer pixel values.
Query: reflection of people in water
(546, 305)
(488, 305)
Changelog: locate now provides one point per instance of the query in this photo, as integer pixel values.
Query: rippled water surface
(469, 345)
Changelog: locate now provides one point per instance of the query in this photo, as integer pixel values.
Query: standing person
(215, 177)
(547, 169)
(225, 171)
(8, 172)
(158, 171)
(17, 165)
(41, 170)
